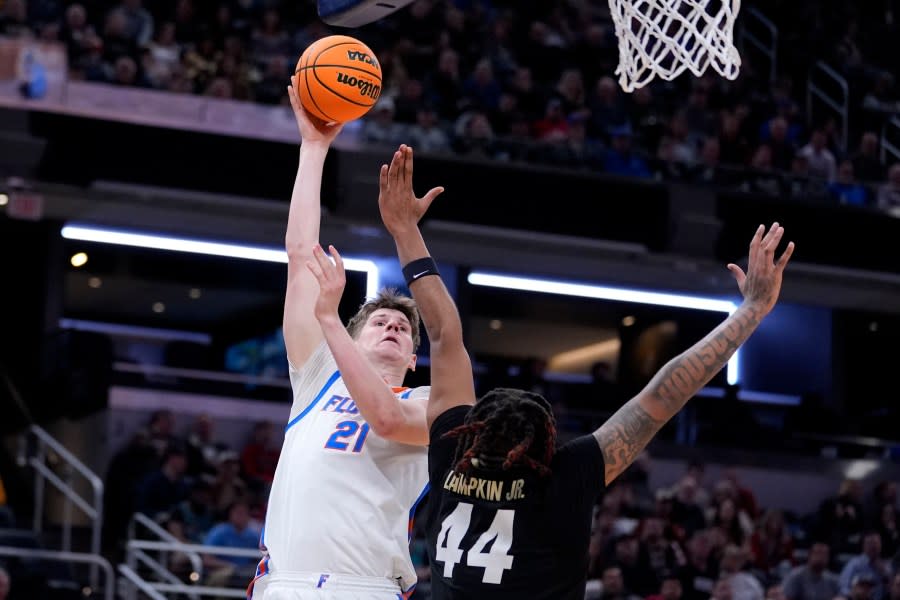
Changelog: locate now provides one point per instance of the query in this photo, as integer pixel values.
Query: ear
(412, 363)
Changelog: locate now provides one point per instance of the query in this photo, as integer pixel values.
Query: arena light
(120, 237)
(583, 290)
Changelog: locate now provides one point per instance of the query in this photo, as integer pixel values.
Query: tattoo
(624, 435)
(628, 431)
(683, 376)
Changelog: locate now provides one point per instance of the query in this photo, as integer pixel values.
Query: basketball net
(665, 37)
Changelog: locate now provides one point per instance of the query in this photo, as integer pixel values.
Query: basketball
(339, 79)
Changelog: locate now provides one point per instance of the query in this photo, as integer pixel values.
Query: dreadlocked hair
(506, 427)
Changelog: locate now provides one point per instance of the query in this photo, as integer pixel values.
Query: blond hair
(391, 299)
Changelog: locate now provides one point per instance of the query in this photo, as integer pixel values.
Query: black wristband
(419, 268)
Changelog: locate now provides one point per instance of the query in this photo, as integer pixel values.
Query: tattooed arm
(632, 427)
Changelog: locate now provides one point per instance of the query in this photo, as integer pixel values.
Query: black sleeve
(580, 463)
(442, 450)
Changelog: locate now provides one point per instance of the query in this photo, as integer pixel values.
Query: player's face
(387, 334)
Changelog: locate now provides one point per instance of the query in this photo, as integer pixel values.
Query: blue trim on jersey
(328, 384)
(412, 511)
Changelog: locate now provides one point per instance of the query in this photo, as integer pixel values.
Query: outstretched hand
(331, 280)
(762, 282)
(399, 206)
(312, 129)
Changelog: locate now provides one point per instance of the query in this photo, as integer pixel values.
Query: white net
(665, 37)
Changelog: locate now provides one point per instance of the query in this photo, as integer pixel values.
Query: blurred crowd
(199, 490)
(531, 82)
(704, 539)
(700, 538)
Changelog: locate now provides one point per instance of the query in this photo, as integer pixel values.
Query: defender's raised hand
(400, 209)
(312, 130)
(762, 282)
(331, 280)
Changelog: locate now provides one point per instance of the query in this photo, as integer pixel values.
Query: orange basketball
(339, 79)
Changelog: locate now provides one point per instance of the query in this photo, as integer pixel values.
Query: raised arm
(452, 382)
(389, 417)
(629, 430)
(301, 330)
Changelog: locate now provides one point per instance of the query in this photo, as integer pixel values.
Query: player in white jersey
(353, 465)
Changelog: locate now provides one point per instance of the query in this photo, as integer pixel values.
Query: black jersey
(510, 534)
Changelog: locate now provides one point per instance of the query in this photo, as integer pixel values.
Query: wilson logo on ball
(361, 57)
(366, 88)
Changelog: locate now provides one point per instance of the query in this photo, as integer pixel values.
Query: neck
(392, 374)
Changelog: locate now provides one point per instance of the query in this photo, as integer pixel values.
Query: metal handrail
(201, 590)
(129, 574)
(135, 551)
(203, 549)
(770, 50)
(76, 557)
(162, 534)
(886, 145)
(136, 556)
(93, 510)
(839, 105)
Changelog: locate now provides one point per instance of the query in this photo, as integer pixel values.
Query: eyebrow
(381, 315)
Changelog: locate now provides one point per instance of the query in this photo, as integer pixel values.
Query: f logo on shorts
(322, 579)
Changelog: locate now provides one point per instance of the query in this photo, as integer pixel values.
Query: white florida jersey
(343, 497)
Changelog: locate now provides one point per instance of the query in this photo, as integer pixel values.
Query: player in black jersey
(509, 512)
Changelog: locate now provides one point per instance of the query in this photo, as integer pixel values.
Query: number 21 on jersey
(494, 562)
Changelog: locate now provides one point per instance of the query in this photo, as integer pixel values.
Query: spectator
(887, 527)
(889, 193)
(235, 532)
(686, 511)
(79, 37)
(614, 585)
(620, 159)
(744, 586)
(868, 568)
(893, 594)
(138, 22)
(380, 129)
(771, 545)
(6, 516)
(658, 556)
(866, 163)
(821, 160)
(228, 486)
(162, 431)
(127, 469)
(745, 499)
(736, 525)
(734, 149)
(780, 146)
(840, 519)
(426, 134)
(260, 456)
(14, 19)
(845, 190)
(862, 587)
(699, 575)
(813, 581)
(669, 589)
(761, 180)
(202, 452)
(163, 490)
(195, 514)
